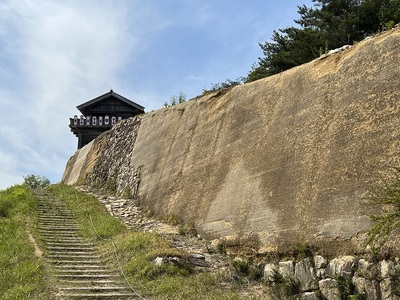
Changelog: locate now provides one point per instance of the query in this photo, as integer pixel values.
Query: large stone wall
(284, 159)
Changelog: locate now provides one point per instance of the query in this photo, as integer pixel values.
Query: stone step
(78, 268)
(56, 214)
(46, 217)
(63, 241)
(67, 271)
(102, 296)
(72, 257)
(52, 220)
(57, 224)
(63, 227)
(98, 282)
(77, 262)
(59, 236)
(69, 249)
(59, 232)
(95, 288)
(69, 243)
(52, 238)
(79, 252)
(86, 276)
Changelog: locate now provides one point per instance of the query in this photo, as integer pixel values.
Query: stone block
(305, 274)
(329, 288)
(286, 268)
(309, 296)
(366, 286)
(387, 291)
(269, 271)
(320, 262)
(344, 266)
(387, 268)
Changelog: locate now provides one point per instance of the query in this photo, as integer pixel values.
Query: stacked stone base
(340, 277)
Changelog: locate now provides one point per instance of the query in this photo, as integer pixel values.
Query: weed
(241, 266)
(277, 278)
(357, 297)
(174, 100)
(227, 84)
(172, 220)
(347, 289)
(286, 287)
(319, 295)
(221, 248)
(345, 285)
(395, 280)
(301, 251)
(244, 268)
(187, 229)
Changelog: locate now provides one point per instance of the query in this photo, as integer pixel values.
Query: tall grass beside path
(93, 218)
(22, 274)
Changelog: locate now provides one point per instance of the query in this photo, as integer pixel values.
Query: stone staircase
(79, 270)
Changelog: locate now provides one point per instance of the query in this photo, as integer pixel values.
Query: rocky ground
(202, 253)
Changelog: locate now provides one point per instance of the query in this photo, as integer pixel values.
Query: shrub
(221, 248)
(36, 181)
(224, 85)
(347, 289)
(247, 269)
(174, 100)
(302, 250)
(241, 266)
(286, 287)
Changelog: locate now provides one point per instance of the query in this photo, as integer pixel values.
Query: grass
(168, 281)
(93, 219)
(22, 275)
(137, 251)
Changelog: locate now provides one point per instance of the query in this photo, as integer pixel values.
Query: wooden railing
(94, 120)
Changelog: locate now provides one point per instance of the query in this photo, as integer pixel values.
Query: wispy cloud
(54, 55)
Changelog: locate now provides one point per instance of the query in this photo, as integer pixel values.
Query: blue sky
(57, 54)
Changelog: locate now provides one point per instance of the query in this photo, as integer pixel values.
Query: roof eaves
(106, 95)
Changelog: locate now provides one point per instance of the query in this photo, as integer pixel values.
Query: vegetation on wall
(174, 100)
(224, 85)
(385, 197)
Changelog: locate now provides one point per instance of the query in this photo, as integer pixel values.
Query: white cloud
(57, 55)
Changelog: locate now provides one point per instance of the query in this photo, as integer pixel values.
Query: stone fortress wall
(284, 159)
